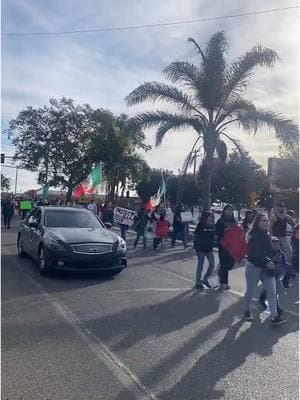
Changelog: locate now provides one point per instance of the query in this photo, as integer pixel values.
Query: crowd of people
(268, 246)
(270, 250)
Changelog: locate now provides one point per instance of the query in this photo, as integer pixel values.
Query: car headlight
(121, 246)
(53, 244)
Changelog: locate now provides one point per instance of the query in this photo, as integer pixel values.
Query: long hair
(223, 213)
(248, 218)
(204, 216)
(255, 224)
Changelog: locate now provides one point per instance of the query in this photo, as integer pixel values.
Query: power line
(123, 28)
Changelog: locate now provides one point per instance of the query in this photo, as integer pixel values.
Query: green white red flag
(88, 186)
(155, 200)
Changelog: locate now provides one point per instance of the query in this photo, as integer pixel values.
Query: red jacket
(162, 228)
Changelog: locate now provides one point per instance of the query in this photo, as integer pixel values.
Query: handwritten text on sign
(123, 216)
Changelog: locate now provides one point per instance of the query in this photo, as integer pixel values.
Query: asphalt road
(143, 335)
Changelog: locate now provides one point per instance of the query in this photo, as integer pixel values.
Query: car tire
(20, 247)
(43, 264)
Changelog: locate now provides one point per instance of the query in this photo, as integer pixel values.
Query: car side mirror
(34, 224)
(108, 225)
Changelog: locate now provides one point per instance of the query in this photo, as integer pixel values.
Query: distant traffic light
(2, 158)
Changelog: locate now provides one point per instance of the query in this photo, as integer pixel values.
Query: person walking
(203, 245)
(93, 207)
(7, 212)
(161, 230)
(293, 271)
(282, 268)
(278, 224)
(259, 267)
(178, 226)
(140, 227)
(246, 224)
(107, 214)
(226, 260)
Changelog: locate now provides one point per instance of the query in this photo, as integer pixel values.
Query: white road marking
(232, 291)
(112, 362)
(146, 290)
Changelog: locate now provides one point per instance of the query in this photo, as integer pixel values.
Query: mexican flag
(156, 199)
(88, 186)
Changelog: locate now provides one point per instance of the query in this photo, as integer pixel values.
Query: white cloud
(101, 69)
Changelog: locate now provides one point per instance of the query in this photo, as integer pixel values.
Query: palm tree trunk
(207, 174)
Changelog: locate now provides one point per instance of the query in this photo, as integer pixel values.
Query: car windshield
(69, 219)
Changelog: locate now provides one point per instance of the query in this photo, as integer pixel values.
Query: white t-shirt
(92, 207)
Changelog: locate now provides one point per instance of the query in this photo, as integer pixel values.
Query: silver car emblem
(93, 250)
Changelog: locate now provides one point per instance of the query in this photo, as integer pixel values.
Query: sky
(102, 68)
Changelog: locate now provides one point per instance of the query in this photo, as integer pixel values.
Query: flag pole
(163, 181)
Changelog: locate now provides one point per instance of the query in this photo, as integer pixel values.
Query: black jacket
(204, 238)
(260, 249)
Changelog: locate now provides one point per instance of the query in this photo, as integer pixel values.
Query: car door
(25, 231)
(35, 234)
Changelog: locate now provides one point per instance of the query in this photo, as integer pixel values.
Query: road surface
(142, 335)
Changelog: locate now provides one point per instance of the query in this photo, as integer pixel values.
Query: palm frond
(182, 71)
(189, 158)
(285, 130)
(236, 143)
(152, 91)
(198, 48)
(211, 82)
(221, 149)
(235, 106)
(239, 73)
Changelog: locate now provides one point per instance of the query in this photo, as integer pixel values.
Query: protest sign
(196, 214)
(186, 216)
(25, 205)
(124, 216)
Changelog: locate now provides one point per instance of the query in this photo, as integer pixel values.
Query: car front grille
(92, 248)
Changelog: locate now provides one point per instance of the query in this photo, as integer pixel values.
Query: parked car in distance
(70, 239)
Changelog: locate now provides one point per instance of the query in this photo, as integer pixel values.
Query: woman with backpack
(203, 245)
(226, 221)
(260, 267)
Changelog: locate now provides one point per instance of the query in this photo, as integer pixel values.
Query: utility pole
(16, 180)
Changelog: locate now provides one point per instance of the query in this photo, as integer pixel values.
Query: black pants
(178, 231)
(226, 264)
(6, 219)
(156, 242)
(138, 236)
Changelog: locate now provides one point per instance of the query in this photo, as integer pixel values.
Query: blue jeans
(253, 276)
(211, 266)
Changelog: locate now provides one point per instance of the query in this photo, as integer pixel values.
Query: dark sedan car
(70, 239)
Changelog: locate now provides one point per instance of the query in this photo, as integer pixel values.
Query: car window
(32, 215)
(69, 219)
(38, 216)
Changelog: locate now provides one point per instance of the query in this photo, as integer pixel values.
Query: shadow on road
(198, 383)
(136, 324)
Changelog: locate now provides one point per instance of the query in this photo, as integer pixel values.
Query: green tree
(57, 139)
(288, 174)
(151, 182)
(118, 145)
(213, 100)
(5, 183)
(234, 180)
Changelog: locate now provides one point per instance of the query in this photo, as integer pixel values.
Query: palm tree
(210, 101)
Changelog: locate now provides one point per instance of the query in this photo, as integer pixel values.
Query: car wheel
(43, 263)
(20, 247)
